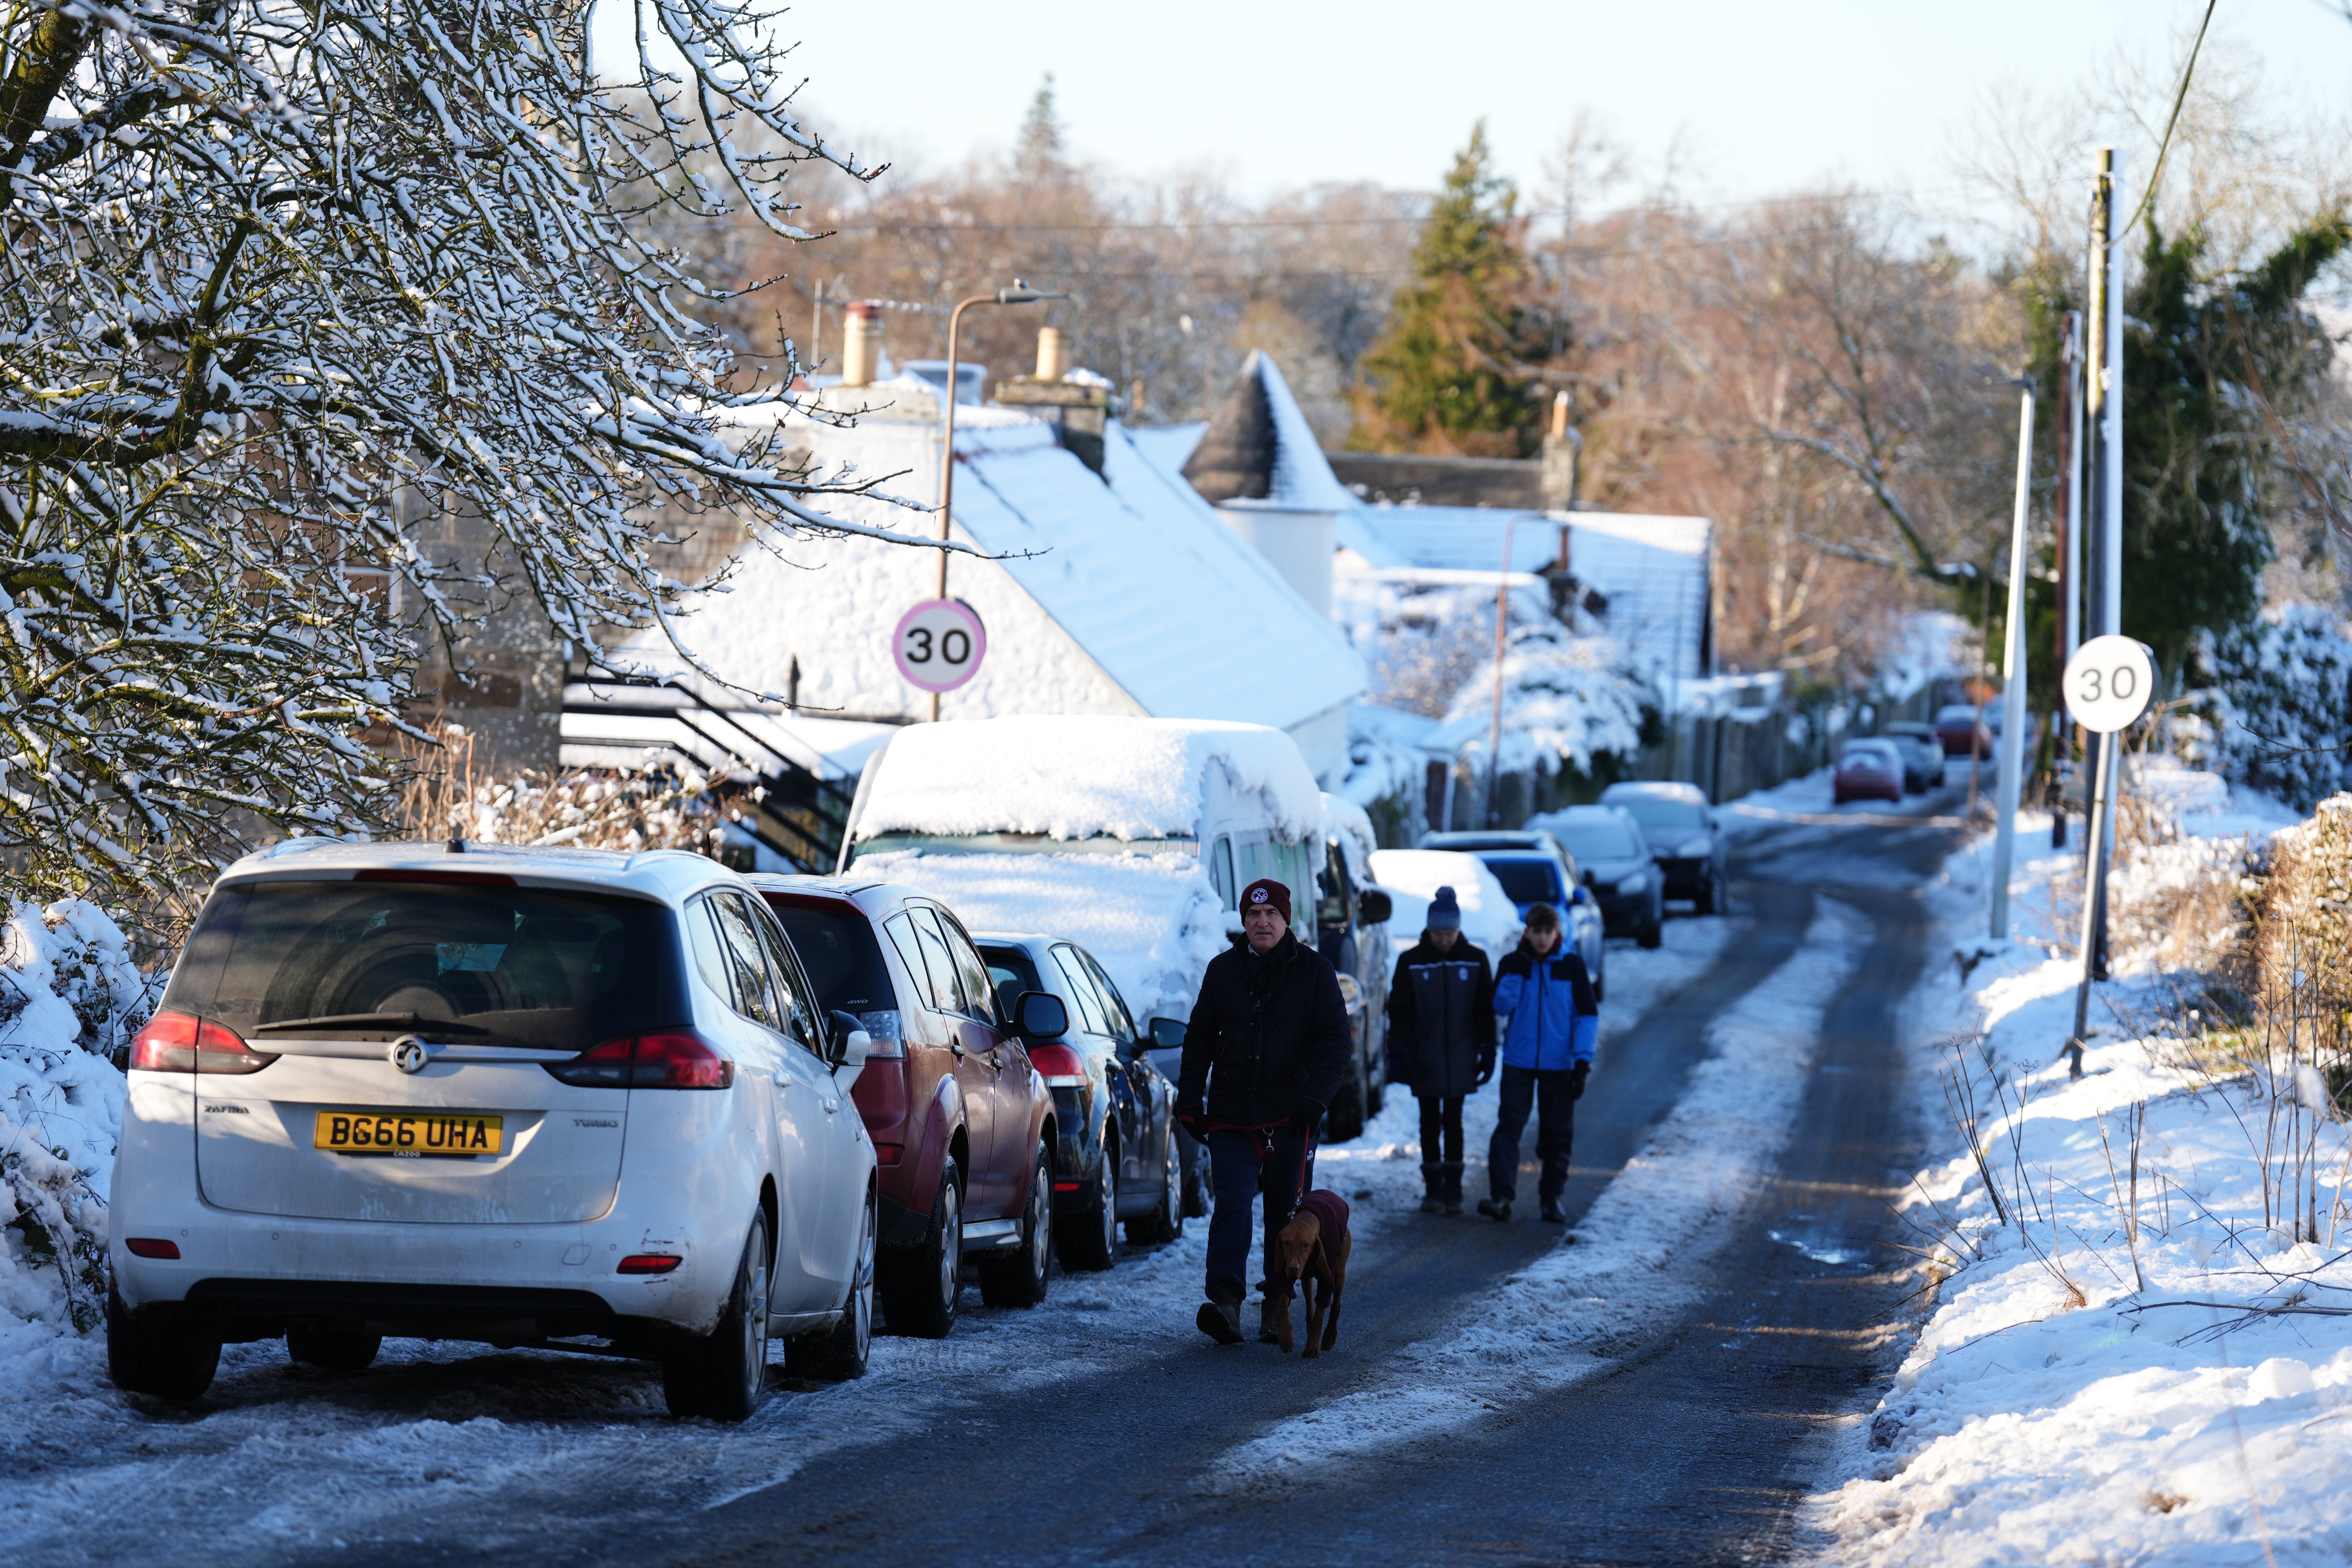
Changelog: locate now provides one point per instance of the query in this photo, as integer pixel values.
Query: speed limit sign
(2108, 682)
(939, 644)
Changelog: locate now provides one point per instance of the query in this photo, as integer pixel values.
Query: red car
(1868, 769)
(1962, 731)
(963, 1125)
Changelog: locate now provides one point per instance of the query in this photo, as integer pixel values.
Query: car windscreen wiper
(372, 1021)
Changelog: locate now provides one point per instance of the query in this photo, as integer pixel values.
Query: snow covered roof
(1652, 570)
(1170, 445)
(1172, 615)
(1073, 777)
(1259, 449)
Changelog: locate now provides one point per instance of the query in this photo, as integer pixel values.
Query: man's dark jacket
(1440, 1019)
(1268, 1031)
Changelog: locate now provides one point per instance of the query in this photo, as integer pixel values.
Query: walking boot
(1432, 1188)
(1495, 1208)
(1452, 1192)
(1220, 1320)
(1553, 1213)
(1265, 1315)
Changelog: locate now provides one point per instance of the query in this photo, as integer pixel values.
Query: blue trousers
(1238, 1176)
(1547, 1093)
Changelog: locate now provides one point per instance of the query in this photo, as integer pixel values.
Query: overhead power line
(2164, 144)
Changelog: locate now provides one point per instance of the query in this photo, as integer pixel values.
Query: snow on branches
(281, 281)
(1567, 698)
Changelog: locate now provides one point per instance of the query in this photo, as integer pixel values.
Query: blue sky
(1277, 93)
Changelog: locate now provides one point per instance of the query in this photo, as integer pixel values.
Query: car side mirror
(1581, 896)
(1373, 906)
(1040, 1016)
(1166, 1034)
(854, 1047)
(844, 1023)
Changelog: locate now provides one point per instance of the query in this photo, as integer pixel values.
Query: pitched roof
(1259, 448)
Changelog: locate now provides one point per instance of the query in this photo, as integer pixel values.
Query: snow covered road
(1100, 1427)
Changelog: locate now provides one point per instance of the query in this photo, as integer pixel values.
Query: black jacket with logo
(1440, 1019)
(1267, 1031)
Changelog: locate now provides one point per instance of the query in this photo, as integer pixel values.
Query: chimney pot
(1052, 354)
(861, 343)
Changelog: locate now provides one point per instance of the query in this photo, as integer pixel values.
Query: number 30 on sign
(939, 644)
(2108, 682)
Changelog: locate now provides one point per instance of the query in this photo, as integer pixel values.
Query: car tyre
(1165, 1223)
(332, 1350)
(1713, 896)
(159, 1352)
(1019, 1277)
(1192, 1154)
(922, 1286)
(839, 1354)
(1653, 934)
(1090, 1240)
(723, 1374)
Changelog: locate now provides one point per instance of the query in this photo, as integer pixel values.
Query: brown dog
(1314, 1246)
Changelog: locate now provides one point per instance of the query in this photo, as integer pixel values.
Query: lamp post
(1018, 293)
(2012, 672)
(1494, 725)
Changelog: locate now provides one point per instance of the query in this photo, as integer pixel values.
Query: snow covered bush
(286, 292)
(1568, 702)
(2278, 704)
(70, 999)
(2304, 942)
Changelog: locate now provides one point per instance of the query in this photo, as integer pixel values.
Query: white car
(559, 1098)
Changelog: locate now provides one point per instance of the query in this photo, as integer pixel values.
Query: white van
(1133, 837)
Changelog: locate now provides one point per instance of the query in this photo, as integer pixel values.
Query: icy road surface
(1644, 1395)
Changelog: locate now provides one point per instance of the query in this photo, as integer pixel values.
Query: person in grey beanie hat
(1441, 1041)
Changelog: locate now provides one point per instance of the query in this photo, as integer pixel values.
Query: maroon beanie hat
(1267, 890)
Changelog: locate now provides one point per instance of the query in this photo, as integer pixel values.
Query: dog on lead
(1314, 1246)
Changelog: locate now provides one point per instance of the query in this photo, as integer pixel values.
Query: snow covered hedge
(70, 999)
(1566, 701)
(2278, 704)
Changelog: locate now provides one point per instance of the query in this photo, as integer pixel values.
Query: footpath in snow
(2138, 1341)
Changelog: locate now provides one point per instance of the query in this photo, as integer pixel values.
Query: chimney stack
(1052, 354)
(862, 343)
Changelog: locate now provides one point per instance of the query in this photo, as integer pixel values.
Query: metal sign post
(2011, 777)
(2107, 686)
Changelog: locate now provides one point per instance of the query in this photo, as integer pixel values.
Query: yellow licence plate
(416, 1135)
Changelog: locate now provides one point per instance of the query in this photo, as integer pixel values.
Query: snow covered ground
(87, 1473)
(2135, 1361)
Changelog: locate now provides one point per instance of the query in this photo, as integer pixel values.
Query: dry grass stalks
(664, 805)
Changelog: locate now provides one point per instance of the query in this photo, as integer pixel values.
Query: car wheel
(722, 1373)
(839, 1353)
(332, 1350)
(1019, 1277)
(1653, 934)
(1090, 1240)
(1193, 1156)
(1165, 1223)
(160, 1351)
(922, 1285)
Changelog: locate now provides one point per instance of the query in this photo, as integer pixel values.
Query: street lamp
(1018, 293)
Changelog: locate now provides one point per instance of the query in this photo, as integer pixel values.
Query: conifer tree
(1457, 369)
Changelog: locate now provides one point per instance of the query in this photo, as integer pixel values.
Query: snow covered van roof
(1072, 777)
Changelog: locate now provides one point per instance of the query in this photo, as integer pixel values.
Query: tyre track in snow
(1098, 1461)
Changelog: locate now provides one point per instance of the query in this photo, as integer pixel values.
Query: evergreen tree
(1037, 155)
(1457, 369)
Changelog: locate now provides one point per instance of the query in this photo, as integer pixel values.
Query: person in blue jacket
(1554, 1021)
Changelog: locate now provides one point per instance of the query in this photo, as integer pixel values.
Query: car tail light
(649, 1263)
(890, 1153)
(669, 1058)
(888, 1032)
(182, 1042)
(1060, 1065)
(152, 1247)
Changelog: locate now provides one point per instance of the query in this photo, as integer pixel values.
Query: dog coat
(1330, 1209)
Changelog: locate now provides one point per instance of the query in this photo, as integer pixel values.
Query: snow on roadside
(1642, 1251)
(2054, 1408)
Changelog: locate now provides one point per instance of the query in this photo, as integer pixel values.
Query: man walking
(1441, 1042)
(1267, 1042)
(1554, 1021)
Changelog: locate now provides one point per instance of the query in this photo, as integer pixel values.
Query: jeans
(1441, 1123)
(1237, 1175)
(1548, 1093)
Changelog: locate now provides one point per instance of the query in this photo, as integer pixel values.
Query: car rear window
(550, 968)
(1526, 881)
(842, 955)
(1651, 811)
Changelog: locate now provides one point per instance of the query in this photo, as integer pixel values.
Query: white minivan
(561, 1098)
(1132, 837)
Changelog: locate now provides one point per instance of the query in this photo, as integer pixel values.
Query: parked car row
(644, 1105)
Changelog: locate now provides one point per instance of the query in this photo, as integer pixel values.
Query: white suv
(559, 1098)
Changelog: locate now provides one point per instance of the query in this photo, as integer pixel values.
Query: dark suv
(963, 1125)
